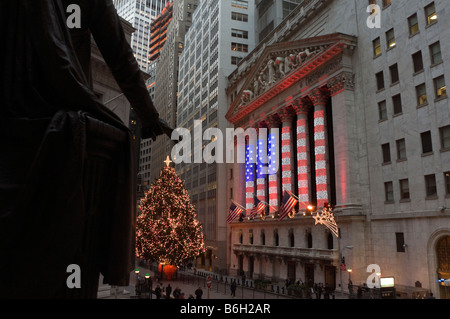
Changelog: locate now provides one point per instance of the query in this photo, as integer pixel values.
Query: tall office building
(140, 14)
(222, 33)
(166, 79)
(364, 121)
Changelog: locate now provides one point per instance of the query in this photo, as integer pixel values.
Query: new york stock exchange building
(355, 133)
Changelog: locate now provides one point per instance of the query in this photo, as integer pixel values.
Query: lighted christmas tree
(167, 229)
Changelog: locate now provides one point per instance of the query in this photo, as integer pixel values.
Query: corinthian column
(301, 108)
(286, 150)
(319, 100)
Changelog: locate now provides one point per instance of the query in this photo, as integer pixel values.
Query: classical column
(319, 100)
(261, 165)
(249, 174)
(286, 150)
(274, 165)
(301, 108)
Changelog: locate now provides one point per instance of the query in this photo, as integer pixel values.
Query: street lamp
(136, 286)
(349, 273)
(147, 285)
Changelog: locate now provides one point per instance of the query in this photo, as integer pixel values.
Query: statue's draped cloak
(48, 112)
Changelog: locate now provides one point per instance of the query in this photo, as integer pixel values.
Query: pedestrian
(176, 293)
(327, 292)
(168, 291)
(233, 288)
(181, 296)
(191, 296)
(158, 292)
(199, 293)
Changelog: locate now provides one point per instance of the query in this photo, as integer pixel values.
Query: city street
(189, 283)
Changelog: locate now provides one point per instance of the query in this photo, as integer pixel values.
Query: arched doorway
(443, 265)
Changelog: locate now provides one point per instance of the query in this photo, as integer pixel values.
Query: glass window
(430, 185)
(382, 111)
(430, 13)
(394, 73)
(427, 146)
(421, 93)
(389, 192)
(417, 61)
(447, 182)
(380, 80)
(401, 149)
(397, 101)
(404, 189)
(413, 24)
(440, 87)
(435, 52)
(377, 47)
(445, 137)
(386, 153)
(390, 39)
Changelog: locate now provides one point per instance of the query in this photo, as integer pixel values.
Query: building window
(401, 149)
(386, 153)
(440, 87)
(239, 33)
(447, 183)
(291, 239)
(263, 238)
(394, 73)
(240, 47)
(390, 39)
(382, 111)
(239, 4)
(430, 186)
(421, 92)
(235, 60)
(445, 137)
(417, 61)
(397, 101)
(427, 146)
(400, 240)
(435, 52)
(389, 192)
(404, 189)
(309, 240)
(413, 24)
(430, 13)
(380, 80)
(376, 47)
(276, 238)
(239, 16)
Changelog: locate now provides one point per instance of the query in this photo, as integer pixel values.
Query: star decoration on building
(326, 218)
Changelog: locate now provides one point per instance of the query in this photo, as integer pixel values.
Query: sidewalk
(188, 283)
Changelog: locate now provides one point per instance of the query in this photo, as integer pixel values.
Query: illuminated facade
(319, 78)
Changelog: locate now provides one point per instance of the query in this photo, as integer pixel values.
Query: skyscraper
(140, 14)
(222, 33)
(166, 80)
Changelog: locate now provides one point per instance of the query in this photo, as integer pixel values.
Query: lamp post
(147, 284)
(349, 273)
(136, 286)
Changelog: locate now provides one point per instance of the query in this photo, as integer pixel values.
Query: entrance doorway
(443, 263)
(309, 274)
(291, 271)
(330, 277)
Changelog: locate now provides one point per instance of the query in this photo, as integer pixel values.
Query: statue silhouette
(67, 174)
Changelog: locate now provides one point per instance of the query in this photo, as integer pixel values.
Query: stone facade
(330, 80)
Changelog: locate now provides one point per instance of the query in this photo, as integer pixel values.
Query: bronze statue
(67, 173)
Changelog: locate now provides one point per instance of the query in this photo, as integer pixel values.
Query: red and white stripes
(302, 157)
(320, 155)
(286, 165)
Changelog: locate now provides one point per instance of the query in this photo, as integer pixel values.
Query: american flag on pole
(234, 213)
(257, 208)
(287, 204)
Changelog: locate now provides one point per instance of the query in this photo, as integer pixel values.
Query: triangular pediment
(282, 64)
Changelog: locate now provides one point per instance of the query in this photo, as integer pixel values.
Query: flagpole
(240, 206)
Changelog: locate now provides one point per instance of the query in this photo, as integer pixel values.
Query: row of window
(291, 239)
(413, 26)
(427, 145)
(403, 184)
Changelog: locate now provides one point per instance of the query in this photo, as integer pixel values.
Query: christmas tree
(167, 229)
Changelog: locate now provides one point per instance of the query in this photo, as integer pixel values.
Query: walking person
(233, 288)
(158, 292)
(168, 291)
(199, 293)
